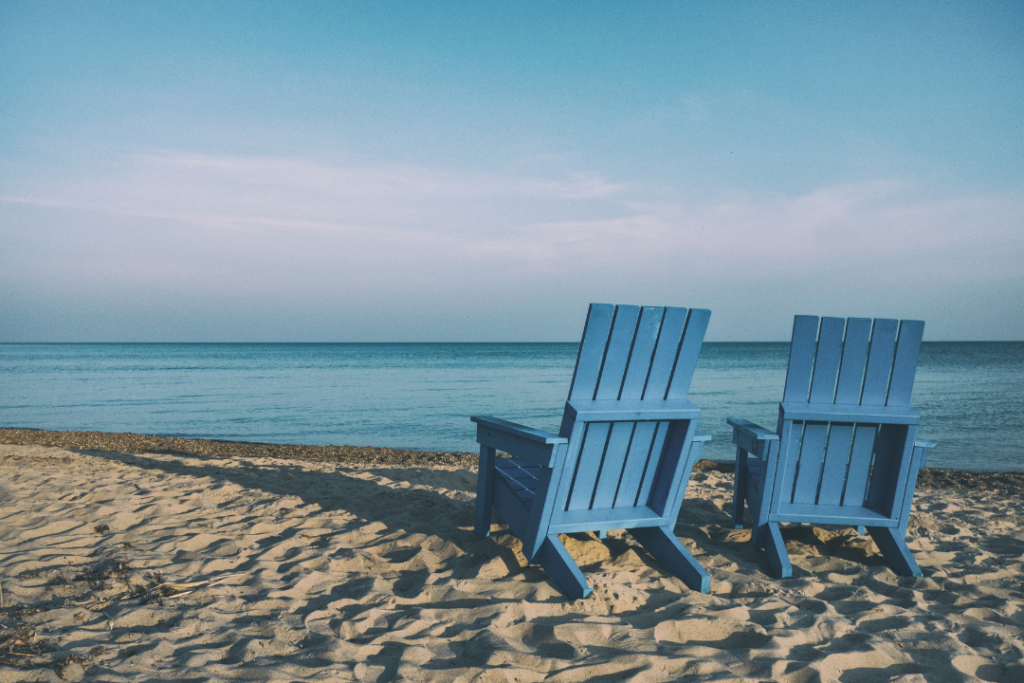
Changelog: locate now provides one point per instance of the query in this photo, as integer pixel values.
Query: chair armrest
(540, 447)
(696, 445)
(751, 437)
(518, 430)
(927, 446)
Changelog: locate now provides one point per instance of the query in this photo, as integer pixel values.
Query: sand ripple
(120, 567)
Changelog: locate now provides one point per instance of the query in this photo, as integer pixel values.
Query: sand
(150, 566)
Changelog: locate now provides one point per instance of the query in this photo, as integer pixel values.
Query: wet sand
(134, 558)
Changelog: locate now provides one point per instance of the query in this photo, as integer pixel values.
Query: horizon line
(325, 343)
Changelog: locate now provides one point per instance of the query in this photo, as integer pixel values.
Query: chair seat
(520, 476)
(755, 466)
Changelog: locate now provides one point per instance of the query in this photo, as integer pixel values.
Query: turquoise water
(420, 396)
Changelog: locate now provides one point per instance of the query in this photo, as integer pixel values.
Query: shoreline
(128, 442)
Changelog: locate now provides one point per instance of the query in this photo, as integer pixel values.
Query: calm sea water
(420, 396)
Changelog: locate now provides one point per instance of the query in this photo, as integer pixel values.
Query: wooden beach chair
(845, 451)
(623, 455)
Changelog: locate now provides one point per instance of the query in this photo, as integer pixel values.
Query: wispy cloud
(573, 223)
(863, 227)
(386, 182)
(263, 193)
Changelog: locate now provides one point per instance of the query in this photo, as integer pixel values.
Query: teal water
(420, 396)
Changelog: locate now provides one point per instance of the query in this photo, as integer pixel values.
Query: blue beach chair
(623, 455)
(845, 451)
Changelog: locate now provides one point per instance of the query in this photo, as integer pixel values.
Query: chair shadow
(404, 509)
(712, 531)
(410, 508)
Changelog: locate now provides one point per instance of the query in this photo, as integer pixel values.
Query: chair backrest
(853, 361)
(846, 412)
(635, 356)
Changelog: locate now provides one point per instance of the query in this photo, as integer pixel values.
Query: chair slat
(588, 465)
(686, 363)
(657, 446)
(643, 352)
(860, 465)
(665, 353)
(826, 362)
(902, 454)
(890, 438)
(785, 475)
(812, 451)
(592, 349)
(616, 357)
(636, 464)
(611, 469)
(855, 355)
(521, 477)
(801, 358)
(876, 377)
(904, 367)
(833, 473)
(673, 469)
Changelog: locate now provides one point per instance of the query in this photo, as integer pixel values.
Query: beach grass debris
(21, 646)
(63, 663)
(153, 589)
(115, 568)
(171, 589)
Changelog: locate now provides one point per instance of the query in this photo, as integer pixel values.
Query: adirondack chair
(845, 451)
(623, 455)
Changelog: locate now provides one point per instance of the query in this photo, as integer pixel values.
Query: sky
(481, 171)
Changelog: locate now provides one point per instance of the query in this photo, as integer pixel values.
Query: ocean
(419, 396)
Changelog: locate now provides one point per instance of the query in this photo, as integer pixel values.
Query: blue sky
(362, 171)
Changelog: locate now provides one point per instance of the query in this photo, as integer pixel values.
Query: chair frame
(846, 450)
(537, 490)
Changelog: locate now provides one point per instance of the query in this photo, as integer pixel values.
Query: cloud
(302, 246)
(261, 193)
(865, 227)
(568, 223)
(391, 181)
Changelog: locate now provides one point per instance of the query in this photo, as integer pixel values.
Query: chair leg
(484, 492)
(602, 534)
(775, 548)
(759, 534)
(560, 566)
(739, 488)
(894, 549)
(673, 556)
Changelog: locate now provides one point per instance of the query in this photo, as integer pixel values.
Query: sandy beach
(126, 558)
